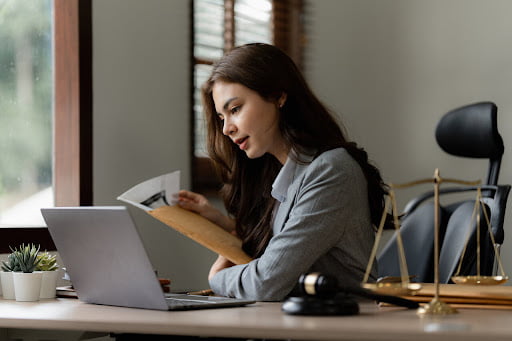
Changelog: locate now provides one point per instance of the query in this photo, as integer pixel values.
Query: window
(70, 98)
(218, 26)
(26, 88)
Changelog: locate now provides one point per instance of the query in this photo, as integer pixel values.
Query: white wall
(141, 118)
(392, 68)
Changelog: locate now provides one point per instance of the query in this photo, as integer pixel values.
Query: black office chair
(469, 131)
(460, 225)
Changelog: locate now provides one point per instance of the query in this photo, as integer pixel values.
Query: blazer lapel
(284, 209)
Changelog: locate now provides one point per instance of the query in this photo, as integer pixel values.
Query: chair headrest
(471, 131)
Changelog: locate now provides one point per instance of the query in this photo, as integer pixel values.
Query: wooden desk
(261, 320)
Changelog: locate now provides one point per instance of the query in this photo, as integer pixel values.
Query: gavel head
(318, 297)
(317, 284)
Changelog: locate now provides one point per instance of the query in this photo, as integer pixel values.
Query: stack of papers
(467, 296)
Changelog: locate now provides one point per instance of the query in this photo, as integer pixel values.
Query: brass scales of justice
(402, 285)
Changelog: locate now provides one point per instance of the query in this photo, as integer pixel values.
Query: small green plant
(26, 257)
(11, 265)
(47, 262)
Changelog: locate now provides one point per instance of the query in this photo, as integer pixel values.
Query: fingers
(199, 204)
(191, 206)
(193, 201)
(188, 196)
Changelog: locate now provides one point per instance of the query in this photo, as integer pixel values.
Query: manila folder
(203, 232)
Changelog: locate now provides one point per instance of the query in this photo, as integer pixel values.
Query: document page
(154, 193)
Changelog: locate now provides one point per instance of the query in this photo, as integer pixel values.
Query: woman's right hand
(198, 203)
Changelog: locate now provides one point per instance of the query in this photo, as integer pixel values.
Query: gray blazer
(323, 225)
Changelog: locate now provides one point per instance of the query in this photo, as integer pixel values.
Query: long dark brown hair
(305, 124)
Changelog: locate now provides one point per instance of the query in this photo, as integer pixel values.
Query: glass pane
(201, 74)
(208, 28)
(26, 95)
(253, 21)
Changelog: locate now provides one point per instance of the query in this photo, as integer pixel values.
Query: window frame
(72, 146)
(287, 34)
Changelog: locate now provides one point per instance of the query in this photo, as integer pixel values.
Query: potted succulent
(48, 265)
(6, 278)
(27, 281)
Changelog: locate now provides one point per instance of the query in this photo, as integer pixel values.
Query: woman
(300, 196)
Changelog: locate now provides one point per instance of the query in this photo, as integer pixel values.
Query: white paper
(164, 188)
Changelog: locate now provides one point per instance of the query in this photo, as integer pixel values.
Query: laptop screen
(104, 256)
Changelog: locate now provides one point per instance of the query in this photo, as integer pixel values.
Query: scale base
(436, 307)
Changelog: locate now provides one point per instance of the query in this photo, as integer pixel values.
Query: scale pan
(393, 288)
(480, 280)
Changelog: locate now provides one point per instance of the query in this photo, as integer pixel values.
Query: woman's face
(249, 120)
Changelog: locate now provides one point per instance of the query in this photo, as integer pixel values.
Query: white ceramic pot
(49, 284)
(27, 286)
(7, 285)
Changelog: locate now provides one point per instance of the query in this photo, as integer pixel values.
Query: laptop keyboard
(184, 303)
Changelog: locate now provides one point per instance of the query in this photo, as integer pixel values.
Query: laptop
(107, 263)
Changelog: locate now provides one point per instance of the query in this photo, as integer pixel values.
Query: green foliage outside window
(25, 98)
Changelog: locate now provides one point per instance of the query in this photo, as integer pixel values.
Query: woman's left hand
(220, 264)
(198, 203)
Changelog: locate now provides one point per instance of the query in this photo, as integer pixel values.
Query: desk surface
(260, 320)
